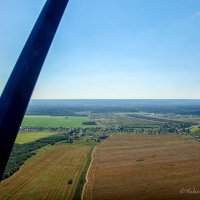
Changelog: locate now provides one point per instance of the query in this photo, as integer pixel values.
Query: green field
(161, 116)
(57, 121)
(27, 137)
(193, 119)
(121, 120)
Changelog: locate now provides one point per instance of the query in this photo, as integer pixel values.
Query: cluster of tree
(40, 128)
(56, 129)
(97, 137)
(89, 123)
(21, 152)
(103, 136)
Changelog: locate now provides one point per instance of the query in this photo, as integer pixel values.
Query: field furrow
(45, 176)
(145, 168)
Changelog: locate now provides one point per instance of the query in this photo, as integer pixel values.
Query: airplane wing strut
(18, 90)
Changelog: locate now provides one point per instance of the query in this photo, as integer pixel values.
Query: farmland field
(120, 119)
(54, 121)
(46, 175)
(27, 137)
(141, 158)
(144, 167)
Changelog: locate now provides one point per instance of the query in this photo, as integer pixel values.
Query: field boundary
(92, 158)
(151, 163)
(91, 162)
(82, 179)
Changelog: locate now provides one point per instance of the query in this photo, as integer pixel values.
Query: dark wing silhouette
(18, 90)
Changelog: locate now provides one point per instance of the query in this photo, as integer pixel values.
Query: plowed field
(145, 168)
(46, 175)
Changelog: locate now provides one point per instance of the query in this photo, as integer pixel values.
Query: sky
(110, 49)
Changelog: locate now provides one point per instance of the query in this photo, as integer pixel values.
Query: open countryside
(105, 152)
(99, 100)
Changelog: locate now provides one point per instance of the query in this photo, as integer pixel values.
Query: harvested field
(46, 175)
(145, 168)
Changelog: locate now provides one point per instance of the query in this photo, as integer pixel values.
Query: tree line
(21, 152)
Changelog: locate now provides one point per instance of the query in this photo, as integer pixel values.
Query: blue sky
(110, 48)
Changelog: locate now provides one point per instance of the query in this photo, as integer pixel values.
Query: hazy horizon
(63, 106)
(121, 101)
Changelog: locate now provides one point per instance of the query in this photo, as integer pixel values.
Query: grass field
(144, 168)
(57, 121)
(27, 137)
(162, 116)
(121, 120)
(46, 175)
(194, 119)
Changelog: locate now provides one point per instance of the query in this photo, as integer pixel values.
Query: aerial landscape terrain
(106, 149)
(99, 100)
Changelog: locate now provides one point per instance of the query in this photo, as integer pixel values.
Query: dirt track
(145, 168)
